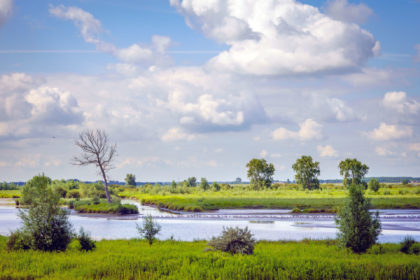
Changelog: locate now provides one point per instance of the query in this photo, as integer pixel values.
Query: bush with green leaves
(357, 229)
(374, 184)
(149, 229)
(86, 243)
(234, 241)
(409, 246)
(45, 224)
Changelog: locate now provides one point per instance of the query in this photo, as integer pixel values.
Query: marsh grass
(328, 199)
(135, 259)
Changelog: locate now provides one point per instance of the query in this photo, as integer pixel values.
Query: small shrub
(387, 192)
(406, 245)
(374, 185)
(296, 210)
(149, 229)
(18, 240)
(86, 243)
(234, 241)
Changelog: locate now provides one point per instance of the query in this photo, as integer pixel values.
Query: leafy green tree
(130, 180)
(405, 182)
(307, 172)
(374, 184)
(204, 185)
(357, 229)
(238, 180)
(192, 182)
(45, 224)
(260, 173)
(149, 229)
(353, 171)
(215, 186)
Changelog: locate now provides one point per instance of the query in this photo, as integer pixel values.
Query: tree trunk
(108, 198)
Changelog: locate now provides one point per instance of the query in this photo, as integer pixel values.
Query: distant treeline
(6, 186)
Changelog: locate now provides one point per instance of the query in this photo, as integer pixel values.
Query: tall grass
(135, 259)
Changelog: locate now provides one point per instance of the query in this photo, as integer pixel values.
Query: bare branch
(96, 150)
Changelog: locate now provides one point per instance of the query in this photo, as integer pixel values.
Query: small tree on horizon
(353, 171)
(374, 184)
(357, 229)
(260, 173)
(307, 172)
(96, 150)
(204, 185)
(130, 179)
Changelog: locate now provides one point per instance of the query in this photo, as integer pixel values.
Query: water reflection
(264, 224)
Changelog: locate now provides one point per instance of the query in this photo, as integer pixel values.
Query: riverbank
(135, 259)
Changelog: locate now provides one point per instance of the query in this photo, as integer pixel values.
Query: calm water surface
(264, 224)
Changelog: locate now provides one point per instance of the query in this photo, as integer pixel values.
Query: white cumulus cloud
(390, 132)
(326, 151)
(5, 10)
(309, 130)
(398, 101)
(278, 37)
(176, 134)
(345, 11)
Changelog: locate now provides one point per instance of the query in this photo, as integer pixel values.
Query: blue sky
(198, 88)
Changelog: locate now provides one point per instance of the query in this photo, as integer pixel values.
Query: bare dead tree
(98, 151)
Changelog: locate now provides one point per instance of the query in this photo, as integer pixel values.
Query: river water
(264, 224)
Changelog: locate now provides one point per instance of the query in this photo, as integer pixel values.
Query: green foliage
(234, 241)
(130, 180)
(408, 246)
(374, 185)
(405, 182)
(357, 230)
(204, 185)
(353, 171)
(135, 259)
(307, 172)
(191, 182)
(6, 186)
(149, 229)
(73, 194)
(215, 187)
(260, 173)
(102, 206)
(45, 224)
(86, 243)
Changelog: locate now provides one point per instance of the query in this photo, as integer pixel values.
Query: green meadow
(135, 259)
(329, 198)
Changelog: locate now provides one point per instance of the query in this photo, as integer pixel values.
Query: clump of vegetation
(353, 172)
(374, 185)
(260, 173)
(408, 246)
(307, 172)
(101, 206)
(357, 230)
(234, 241)
(45, 224)
(149, 229)
(86, 243)
(130, 180)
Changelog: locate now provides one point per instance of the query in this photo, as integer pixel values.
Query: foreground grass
(315, 201)
(135, 259)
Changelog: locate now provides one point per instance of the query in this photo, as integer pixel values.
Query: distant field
(135, 259)
(10, 193)
(329, 198)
